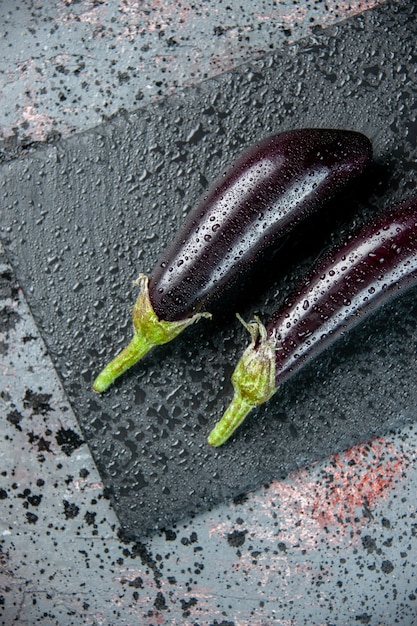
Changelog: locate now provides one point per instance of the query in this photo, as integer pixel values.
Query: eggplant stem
(130, 355)
(253, 381)
(149, 331)
(234, 415)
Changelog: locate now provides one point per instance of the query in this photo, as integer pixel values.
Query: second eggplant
(345, 287)
(247, 210)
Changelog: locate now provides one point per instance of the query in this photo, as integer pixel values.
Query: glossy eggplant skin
(263, 194)
(245, 213)
(345, 287)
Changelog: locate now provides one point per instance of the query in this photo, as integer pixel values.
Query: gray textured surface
(111, 196)
(334, 543)
(65, 66)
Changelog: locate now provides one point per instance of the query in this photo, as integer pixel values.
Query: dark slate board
(81, 219)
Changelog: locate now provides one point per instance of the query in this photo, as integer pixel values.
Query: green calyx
(149, 331)
(253, 381)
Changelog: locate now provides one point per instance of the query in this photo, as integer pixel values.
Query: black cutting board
(82, 218)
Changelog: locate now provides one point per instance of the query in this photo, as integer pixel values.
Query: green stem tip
(131, 354)
(149, 331)
(234, 415)
(253, 381)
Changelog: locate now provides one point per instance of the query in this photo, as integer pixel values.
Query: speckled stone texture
(67, 65)
(333, 543)
(83, 217)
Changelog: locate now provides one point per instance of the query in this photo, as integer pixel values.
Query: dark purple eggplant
(363, 274)
(245, 212)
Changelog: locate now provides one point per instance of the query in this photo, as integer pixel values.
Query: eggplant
(263, 194)
(345, 287)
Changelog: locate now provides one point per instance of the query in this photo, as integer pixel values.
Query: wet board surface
(82, 218)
